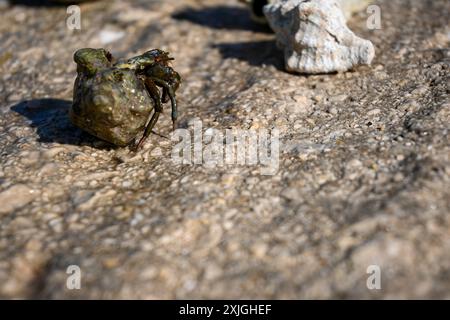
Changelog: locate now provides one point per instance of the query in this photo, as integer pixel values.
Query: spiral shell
(315, 37)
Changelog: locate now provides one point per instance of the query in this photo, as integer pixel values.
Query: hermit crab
(114, 100)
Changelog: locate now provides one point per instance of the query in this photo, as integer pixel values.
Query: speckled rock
(363, 176)
(15, 198)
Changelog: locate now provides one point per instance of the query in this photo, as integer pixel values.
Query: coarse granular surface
(363, 176)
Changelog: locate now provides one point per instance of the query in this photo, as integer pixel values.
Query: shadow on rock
(51, 118)
(222, 17)
(255, 53)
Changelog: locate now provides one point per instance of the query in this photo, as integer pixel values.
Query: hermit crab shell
(315, 37)
(112, 105)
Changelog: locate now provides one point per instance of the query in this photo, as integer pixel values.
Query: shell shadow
(50, 117)
(221, 17)
(256, 53)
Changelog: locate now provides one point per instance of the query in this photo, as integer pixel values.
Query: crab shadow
(50, 117)
(256, 53)
(221, 17)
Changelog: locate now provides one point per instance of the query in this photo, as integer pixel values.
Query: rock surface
(363, 179)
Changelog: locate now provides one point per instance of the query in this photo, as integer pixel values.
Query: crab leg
(149, 128)
(154, 93)
(166, 86)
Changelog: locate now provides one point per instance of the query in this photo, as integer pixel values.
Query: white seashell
(315, 37)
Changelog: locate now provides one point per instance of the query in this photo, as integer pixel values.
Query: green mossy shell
(111, 104)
